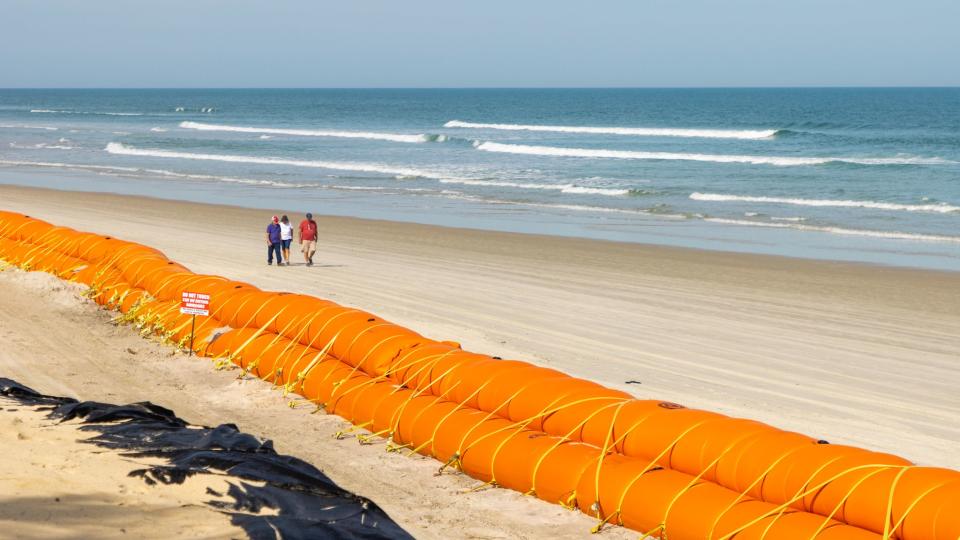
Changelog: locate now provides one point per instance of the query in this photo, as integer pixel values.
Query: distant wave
(893, 235)
(200, 109)
(158, 130)
(40, 145)
(562, 188)
(643, 132)
(50, 111)
(394, 137)
(940, 208)
(121, 149)
(23, 126)
(783, 161)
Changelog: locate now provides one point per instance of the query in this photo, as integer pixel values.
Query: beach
(851, 353)
(865, 175)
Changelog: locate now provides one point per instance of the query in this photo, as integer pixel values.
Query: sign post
(194, 304)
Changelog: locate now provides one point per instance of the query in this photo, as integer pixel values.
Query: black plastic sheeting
(308, 505)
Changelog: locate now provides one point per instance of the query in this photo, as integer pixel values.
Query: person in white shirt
(286, 237)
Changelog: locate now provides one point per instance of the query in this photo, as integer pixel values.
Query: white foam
(158, 130)
(783, 161)
(51, 111)
(394, 137)
(939, 208)
(24, 126)
(892, 235)
(120, 149)
(562, 188)
(398, 172)
(39, 146)
(636, 131)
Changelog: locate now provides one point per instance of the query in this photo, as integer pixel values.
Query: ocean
(868, 175)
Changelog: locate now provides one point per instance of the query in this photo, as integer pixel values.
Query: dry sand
(53, 487)
(851, 353)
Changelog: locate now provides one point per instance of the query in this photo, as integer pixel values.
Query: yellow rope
(803, 494)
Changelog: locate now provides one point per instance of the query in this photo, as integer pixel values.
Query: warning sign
(195, 303)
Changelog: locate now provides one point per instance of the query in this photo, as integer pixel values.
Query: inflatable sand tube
(655, 467)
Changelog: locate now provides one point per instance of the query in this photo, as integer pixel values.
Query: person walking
(273, 241)
(307, 238)
(286, 238)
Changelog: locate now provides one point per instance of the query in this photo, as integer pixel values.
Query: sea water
(868, 175)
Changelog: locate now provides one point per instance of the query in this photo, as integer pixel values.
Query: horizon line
(732, 87)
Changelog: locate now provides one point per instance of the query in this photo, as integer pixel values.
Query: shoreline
(678, 252)
(854, 353)
(643, 229)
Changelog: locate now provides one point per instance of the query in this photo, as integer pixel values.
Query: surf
(121, 149)
(105, 113)
(781, 161)
(392, 137)
(398, 172)
(562, 188)
(634, 131)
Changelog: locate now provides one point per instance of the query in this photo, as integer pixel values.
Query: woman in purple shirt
(273, 241)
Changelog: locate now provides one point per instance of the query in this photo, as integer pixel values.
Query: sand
(851, 353)
(53, 487)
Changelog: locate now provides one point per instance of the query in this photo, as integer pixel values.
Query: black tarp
(307, 504)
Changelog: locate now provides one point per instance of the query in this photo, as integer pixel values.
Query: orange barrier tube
(653, 466)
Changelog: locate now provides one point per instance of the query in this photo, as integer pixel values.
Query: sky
(470, 43)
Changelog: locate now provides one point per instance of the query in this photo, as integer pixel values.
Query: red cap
(275, 219)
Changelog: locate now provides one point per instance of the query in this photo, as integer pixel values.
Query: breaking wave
(121, 149)
(398, 172)
(40, 145)
(939, 208)
(783, 161)
(394, 137)
(562, 188)
(636, 131)
(24, 126)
